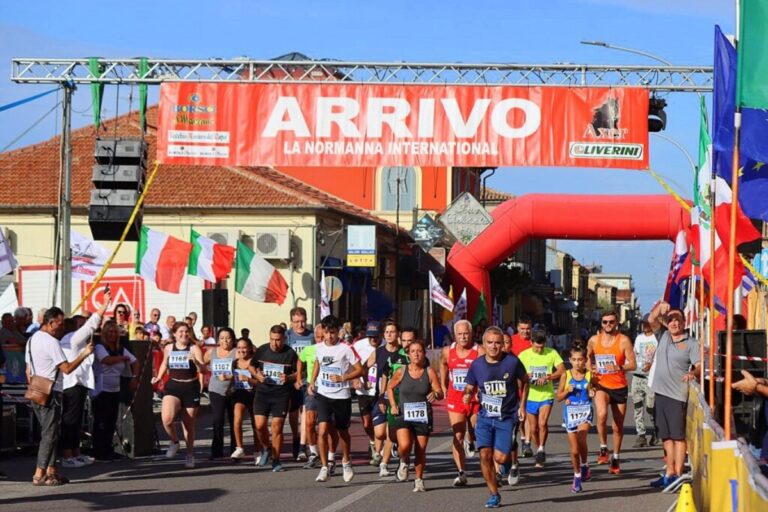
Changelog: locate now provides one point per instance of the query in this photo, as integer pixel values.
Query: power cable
(25, 132)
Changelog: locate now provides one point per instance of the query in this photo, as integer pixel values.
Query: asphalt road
(154, 483)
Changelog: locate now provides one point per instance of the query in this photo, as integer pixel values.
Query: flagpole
(713, 345)
(431, 324)
(732, 251)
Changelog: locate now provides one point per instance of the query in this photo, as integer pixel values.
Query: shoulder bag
(39, 388)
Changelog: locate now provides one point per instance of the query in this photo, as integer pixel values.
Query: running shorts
(615, 396)
(337, 411)
(187, 392)
(265, 404)
(497, 434)
(459, 407)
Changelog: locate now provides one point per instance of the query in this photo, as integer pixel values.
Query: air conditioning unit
(273, 244)
(225, 237)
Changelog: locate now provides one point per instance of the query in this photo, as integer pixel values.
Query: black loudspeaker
(108, 222)
(747, 411)
(135, 433)
(216, 307)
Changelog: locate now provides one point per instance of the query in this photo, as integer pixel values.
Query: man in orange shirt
(610, 355)
(522, 341)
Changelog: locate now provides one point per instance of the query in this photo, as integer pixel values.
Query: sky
(519, 31)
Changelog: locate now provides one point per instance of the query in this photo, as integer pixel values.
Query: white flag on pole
(437, 294)
(7, 259)
(8, 300)
(325, 303)
(88, 257)
(460, 311)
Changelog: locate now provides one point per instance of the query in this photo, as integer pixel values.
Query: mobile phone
(106, 289)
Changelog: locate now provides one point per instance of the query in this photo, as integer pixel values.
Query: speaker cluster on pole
(118, 179)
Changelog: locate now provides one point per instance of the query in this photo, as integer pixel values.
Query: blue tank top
(580, 393)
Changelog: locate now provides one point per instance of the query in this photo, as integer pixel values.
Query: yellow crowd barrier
(726, 477)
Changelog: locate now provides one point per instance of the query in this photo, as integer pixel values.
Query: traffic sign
(426, 233)
(465, 218)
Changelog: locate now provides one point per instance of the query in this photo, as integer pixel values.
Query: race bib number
(372, 375)
(492, 406)
(178, 360)
(415, 412)
(300, 345)
(604, 362)
(575, 415)
(242, 384)
(538, 372)
(221, 367)
(325, 377)
(272, 372)
(459, 378)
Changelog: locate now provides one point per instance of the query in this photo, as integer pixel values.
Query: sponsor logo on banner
(361, 125)
(127, 290)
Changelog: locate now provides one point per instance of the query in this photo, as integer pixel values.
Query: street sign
(465, 218)
(426, 232)
(361, 246)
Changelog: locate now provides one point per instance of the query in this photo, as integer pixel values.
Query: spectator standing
(642, 395)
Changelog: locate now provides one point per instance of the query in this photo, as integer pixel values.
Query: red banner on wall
(353, 125)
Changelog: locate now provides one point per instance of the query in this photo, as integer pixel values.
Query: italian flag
(162, 259)
(256, 279)
(209, 260)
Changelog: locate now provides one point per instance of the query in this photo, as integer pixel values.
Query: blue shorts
(499, 434)
(533, 407)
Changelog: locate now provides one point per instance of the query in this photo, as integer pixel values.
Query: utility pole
(65, 263)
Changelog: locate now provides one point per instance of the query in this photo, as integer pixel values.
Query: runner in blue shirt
(496, 377)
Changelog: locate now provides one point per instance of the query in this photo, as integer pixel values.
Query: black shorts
(297, 400)
(265, 404)
(187, 392)
(334, 410)
(366, 404)
(669, 417)
(418, 429)
(242, 396)
(615, 396)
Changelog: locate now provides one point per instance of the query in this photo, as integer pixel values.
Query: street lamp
(628, 50)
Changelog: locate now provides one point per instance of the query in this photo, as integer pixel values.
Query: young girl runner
(577, 393)
(243, 384)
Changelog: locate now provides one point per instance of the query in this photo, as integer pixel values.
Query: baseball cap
(373, 328)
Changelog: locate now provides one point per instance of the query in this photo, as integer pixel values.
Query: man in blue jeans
(496, 377)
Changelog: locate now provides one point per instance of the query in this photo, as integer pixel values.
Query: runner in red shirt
(522, 341)
(454, 364)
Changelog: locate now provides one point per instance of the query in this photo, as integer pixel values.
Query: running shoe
(277, 467)
(332, 467)
(172, 450)
(402, 472)
(469, 448)
(312, 462)
(190, 463)
(586, 473)
(514, 475)
(654, 440)
(256, 458)
(302, 457)
(375, 459)
(494, 501)
(323, 475)
(238, 454)
(640, 442)
(418, 485)
(85, 460)
(527, 449)
(263, 460)
(576, 487)
(461, 480)
(664, 481)
(602, 457)
(71, 463)
(541, 458)
(347, 472)
(614, 468)
(383, 470)
(393, 452)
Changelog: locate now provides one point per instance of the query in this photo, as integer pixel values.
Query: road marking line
(357, 495)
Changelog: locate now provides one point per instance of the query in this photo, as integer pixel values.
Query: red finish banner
(354, 125)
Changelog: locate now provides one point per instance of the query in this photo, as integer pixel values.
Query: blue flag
(753, 144)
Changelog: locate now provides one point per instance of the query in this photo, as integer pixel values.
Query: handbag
(39, 388)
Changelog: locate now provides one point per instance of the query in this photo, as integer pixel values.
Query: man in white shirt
(77, 384)
(46, 359)
(642, 395)
(366, 388)
(336, 365)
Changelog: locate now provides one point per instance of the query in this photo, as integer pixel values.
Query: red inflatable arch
(578, 217)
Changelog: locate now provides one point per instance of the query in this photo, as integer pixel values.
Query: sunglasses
(609, 322)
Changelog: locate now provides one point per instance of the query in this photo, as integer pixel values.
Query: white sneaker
(190, 462)
(238, 454)
(347, 471)
(71, 463)
(469, 449)
(256, 457)
(323, 475)
(460, 481)
(418, 485)
(383, 470)
(402, 472)
(172, 450)
(514, 475)
(85, 459)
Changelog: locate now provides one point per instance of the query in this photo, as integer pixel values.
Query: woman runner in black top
(418, 387)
